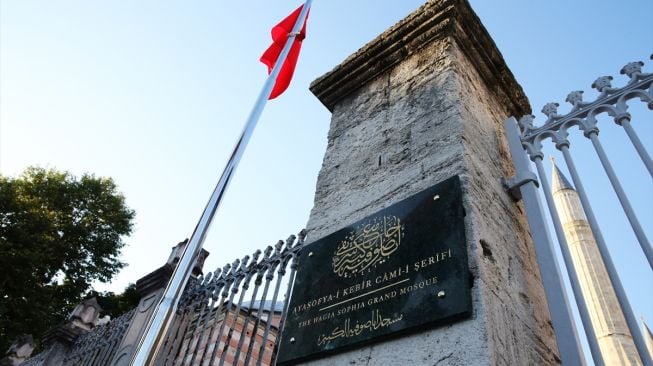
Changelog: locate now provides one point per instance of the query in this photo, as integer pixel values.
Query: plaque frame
(401, 269)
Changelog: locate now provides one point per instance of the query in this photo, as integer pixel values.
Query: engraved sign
(370, 244)
(401, 269)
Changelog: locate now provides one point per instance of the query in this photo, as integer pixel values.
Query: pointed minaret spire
(615, 341)
(649, 338)
(558, 180)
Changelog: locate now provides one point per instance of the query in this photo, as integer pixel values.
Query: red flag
(280, 34)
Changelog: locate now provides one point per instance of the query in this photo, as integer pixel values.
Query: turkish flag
(280, 34)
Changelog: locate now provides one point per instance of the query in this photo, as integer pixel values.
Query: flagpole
(157, 325)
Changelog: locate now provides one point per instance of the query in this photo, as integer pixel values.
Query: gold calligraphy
(368, 246)
(376, 322)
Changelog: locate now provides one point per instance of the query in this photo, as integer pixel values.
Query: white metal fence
(526, 142)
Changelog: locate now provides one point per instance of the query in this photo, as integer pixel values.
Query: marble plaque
(400, 269)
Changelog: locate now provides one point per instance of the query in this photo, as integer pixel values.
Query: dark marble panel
(402, 268)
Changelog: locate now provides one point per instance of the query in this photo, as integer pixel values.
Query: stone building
(614, 338)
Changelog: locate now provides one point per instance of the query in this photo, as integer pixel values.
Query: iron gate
(526, 142)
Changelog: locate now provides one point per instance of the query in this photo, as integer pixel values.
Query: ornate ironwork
(610, 100)
(98, 346)
(229, 315)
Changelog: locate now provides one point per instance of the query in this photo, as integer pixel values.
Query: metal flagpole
(152, 338)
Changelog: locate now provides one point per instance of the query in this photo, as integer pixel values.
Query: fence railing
(96, 348)
(526, 141)
(235, 315)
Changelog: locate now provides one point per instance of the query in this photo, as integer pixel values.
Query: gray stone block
(423, 102)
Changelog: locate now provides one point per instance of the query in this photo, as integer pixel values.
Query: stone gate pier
(423, 102)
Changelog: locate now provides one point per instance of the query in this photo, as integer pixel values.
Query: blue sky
(155, 93)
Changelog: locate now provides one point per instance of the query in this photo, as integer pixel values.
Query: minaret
(614, 338)
(649, 338)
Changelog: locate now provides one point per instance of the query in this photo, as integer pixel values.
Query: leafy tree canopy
(114, 304)
(58, 234)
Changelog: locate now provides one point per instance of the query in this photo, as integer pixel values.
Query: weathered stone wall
(508, 274)
(407, 120)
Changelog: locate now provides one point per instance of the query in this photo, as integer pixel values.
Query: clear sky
(155, 93)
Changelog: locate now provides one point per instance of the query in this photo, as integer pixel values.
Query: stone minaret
(649, 338)
(614, 338)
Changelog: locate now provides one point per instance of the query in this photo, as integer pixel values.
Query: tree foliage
(58, 234)
(114, 304)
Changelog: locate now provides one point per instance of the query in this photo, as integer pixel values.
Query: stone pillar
(19, 351)
(422, 102)
(151, 289)
(86, 315)
(57, 341)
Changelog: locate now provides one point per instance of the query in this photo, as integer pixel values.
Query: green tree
(58, 234)
(114, 304)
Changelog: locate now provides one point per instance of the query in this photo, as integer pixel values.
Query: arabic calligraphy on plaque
(368, 246)
(347, 330)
